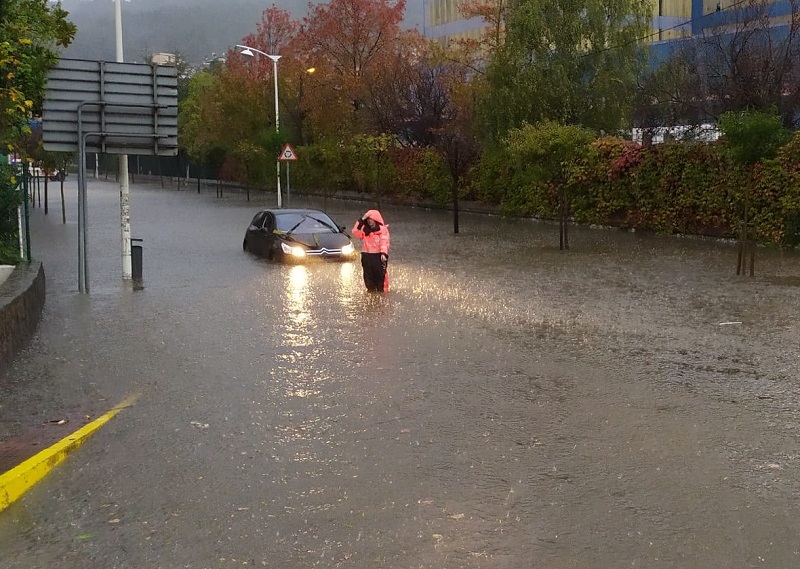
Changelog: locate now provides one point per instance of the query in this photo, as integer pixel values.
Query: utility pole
(124, 187)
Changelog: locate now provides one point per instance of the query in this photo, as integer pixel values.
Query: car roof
(278, 211)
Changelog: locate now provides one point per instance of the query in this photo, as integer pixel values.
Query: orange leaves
(276, 31)
(352, 35)
(353, 45)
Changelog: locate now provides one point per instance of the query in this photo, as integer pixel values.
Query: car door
(254, 234)
(268, 235)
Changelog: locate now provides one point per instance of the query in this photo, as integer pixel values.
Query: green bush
(9, 253)
(492, 175)
(10, 199)
(547, 165)
(324, 167)
(373, 166)
(788, 192)
(602, 192)
(682, 188)
(421, 174)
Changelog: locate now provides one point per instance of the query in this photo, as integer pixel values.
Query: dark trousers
(376, 278)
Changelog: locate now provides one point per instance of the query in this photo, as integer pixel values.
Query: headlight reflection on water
(346, 272)
(298, 313)
(298, 279)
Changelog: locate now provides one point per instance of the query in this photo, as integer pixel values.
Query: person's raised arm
(358, 229)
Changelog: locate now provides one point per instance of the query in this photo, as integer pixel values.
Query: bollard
(136, 260)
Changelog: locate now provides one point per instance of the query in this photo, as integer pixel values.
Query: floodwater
(628, 403)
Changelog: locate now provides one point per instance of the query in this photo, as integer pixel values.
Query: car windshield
(310, 222)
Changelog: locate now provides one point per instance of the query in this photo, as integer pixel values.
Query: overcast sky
(193, 28)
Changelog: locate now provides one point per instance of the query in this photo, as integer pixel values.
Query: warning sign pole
(287, 155)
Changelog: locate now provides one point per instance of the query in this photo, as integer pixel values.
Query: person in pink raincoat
(374, 235)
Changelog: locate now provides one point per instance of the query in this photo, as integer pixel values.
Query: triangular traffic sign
(287, 154)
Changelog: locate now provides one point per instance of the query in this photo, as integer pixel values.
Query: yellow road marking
(17, 481)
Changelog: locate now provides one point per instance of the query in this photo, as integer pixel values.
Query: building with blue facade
(673, 20)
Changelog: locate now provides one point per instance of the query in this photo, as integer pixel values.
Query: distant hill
(194, 28)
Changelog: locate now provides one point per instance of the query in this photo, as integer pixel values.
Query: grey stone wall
(21, 303)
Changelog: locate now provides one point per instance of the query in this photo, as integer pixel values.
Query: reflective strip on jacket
(377, 241)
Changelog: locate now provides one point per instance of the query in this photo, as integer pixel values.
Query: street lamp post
(124, 183)
(251, 51)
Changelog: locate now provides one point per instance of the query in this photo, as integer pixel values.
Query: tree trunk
(745, 245)
(563, 218)
(455, 207)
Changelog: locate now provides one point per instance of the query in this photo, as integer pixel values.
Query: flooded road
(629, 403)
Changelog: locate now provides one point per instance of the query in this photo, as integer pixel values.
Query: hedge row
(676, 187)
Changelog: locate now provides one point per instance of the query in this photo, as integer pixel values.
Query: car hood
(319, 240)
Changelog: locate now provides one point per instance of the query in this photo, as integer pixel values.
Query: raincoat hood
(372, 241)
(376, 215)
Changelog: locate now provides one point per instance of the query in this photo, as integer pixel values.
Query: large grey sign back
(120, 108)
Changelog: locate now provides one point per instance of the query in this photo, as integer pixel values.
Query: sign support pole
(287, 155)
(25, 196)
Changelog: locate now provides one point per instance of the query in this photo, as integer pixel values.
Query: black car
(297, 234)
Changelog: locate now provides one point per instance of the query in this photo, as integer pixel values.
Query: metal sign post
(287, 155)
(27, 214)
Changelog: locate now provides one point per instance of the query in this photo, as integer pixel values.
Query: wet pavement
(630, 402)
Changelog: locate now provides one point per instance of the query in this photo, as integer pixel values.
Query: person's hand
(384, 257)
(364, 217)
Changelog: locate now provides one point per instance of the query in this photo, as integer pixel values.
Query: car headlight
(348, 249)
(293, 250)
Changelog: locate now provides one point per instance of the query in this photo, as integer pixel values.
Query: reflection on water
(299, 320)
(349, 287)
(346, 271)
(297, 334)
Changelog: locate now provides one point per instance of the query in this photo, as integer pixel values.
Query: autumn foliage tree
(273, 33)
(405, 96)
(347, 42)
(455, 138)
(494, 13)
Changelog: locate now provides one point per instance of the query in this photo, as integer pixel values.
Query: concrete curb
(22, 298)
